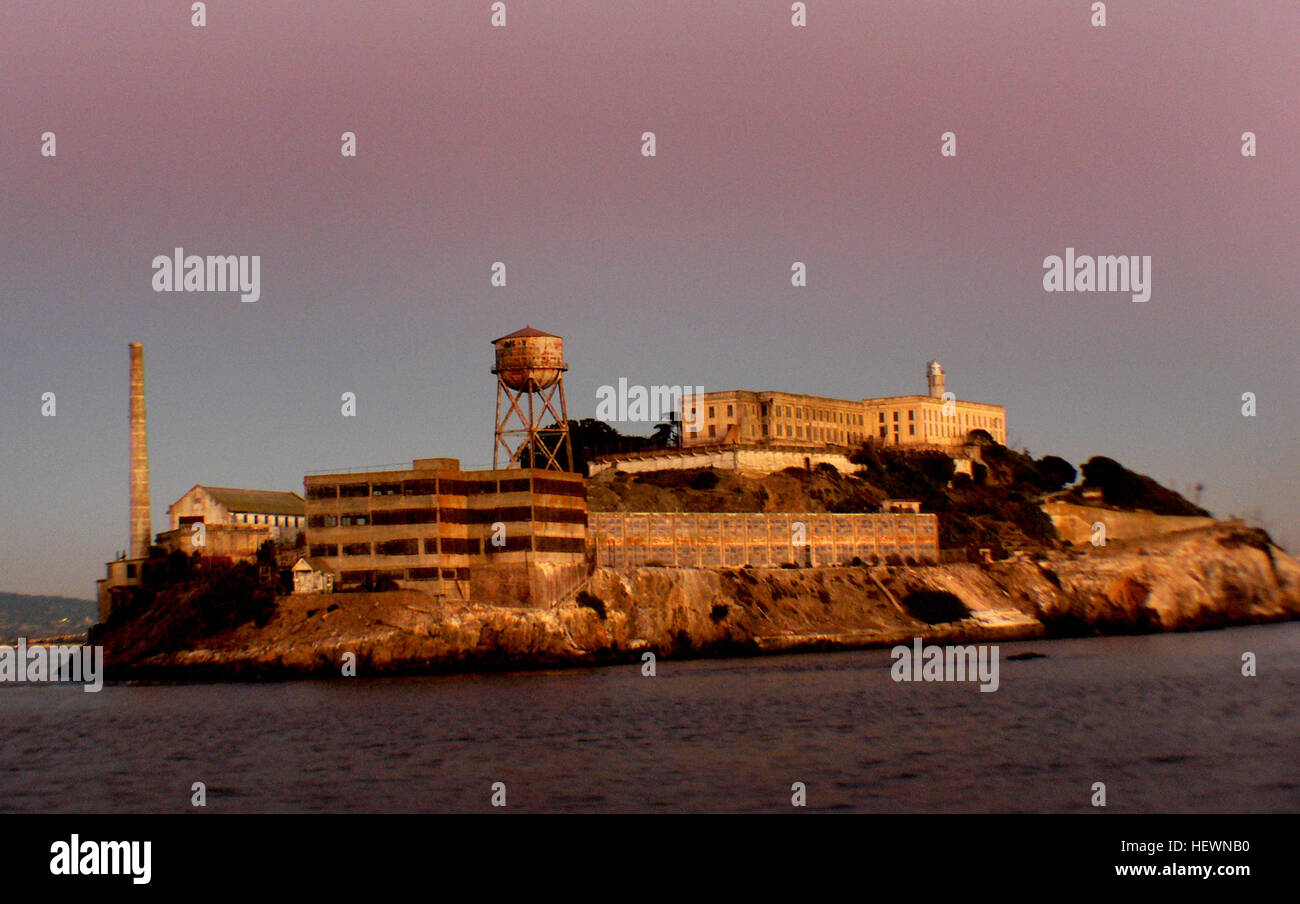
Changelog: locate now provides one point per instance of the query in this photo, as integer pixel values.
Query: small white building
(311, 576)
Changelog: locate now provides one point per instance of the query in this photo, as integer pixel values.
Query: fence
(731, 540)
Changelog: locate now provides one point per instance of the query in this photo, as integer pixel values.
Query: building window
(911, 414)
(710, 413)
(713, 430)
(729, 410)
(882, 417)
(911, 429)
(882, 431)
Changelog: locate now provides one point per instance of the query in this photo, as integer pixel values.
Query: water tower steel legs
(527, 432)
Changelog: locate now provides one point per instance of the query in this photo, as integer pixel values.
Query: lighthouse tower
(934, 378)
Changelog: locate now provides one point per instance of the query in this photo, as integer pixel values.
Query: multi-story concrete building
(514, 535)
(936, 419)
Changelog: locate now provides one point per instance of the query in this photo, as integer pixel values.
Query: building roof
(311, 563)
(526, 333)
(257, 502)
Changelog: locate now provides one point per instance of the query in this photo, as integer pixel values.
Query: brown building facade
(514, 535)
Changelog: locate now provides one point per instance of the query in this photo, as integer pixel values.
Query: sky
(522, 144)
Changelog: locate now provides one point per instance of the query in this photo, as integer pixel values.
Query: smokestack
(141, 520)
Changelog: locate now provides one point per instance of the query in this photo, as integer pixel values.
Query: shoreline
(1202, 579)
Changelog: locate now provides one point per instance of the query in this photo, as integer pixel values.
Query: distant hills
(27, 616)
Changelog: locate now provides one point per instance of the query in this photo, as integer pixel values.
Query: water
(1166, 721)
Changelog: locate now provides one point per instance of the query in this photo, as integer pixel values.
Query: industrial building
(517, 534)
(513, 534)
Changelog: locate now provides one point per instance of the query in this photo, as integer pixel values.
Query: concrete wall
(753, 461)
(223, 541)
(1074, 522)
(731, 540)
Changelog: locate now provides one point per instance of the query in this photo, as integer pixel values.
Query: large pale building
(934, 420)
(284, 514)
(236, 522)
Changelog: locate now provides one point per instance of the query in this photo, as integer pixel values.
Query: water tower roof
(526, 333)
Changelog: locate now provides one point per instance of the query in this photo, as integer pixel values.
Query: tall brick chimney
(141, 521)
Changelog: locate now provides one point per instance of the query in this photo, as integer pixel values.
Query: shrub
(705, 480)
(1055, 472)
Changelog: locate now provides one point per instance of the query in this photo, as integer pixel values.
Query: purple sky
(522, 145)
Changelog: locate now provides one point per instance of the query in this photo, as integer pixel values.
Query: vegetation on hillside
(996, 506)
(1127, 489)
(203, 604)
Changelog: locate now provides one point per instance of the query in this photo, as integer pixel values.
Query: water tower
(530, 373)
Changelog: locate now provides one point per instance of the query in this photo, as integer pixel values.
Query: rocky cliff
(1196, 579)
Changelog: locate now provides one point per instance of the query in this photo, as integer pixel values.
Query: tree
(665, 434)
(1055, 472)
(1119, 486)
(266, 553)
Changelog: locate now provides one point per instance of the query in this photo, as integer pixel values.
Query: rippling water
(1166, 721)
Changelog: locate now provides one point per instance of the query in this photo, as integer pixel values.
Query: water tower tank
(529, 360)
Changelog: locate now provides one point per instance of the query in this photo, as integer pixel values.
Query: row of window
(826, 415)
(451, 546)
(405, 574)
(505, 513)
(248, 518)
(447, 487)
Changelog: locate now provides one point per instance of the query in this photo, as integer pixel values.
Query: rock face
(1196, 579)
